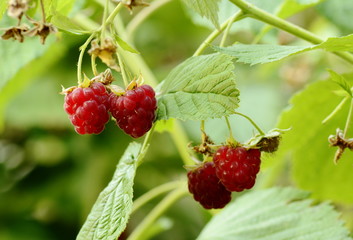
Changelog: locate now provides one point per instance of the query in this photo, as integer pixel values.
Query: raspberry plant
(222, 167)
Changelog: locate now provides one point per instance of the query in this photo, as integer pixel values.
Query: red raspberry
(207, 188)
(237, 167)
(88, 108)
(135, 110)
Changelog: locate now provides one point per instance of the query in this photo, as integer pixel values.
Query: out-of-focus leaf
(110, 213)
(275, 214)
(124, 45)
(338, 12)
(3, 7)
(332, 44)
(164, 125)
(291, 7)
(308, 147)
(68, 25)
(206, 8)
(199, 88)
(255, 54)
(341, 81)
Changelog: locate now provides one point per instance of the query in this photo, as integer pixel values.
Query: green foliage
(338, 12)
(255, 54)
(344, 43)
(66, 24)
(124, 45)
(313, 167)
(110, 213)
(199, 88)
(341, 81)
(3, 6)
(206, 8)
(291, 7)
(275, 214)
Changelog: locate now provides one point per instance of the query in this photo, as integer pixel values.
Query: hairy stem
(162, 206)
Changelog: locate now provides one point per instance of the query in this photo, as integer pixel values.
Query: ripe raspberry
(135, 110)
(207, 188)
(88, 108)
(237, 167)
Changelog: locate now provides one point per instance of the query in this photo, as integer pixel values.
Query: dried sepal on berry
(267, 143)
(338, 140)
(17, 33)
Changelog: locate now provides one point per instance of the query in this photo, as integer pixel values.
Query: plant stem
(280, 23)
(43, 11)
(252, 122)
(236, 17)
(230, 129)
(141, 16)
(155, 192)
(93, 64)
(80, 57)
(104, 25)
(336, 110)
(227, 30)
(349, 119)
(113, 14)
(162, 206)
(122, 68)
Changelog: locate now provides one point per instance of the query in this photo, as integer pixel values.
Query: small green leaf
(341, 81)
(199, 88)
(256, 53)
(206, 8)
(275, 214)
(110, 213)
(344, 43)
(124, 45)
(68, 25)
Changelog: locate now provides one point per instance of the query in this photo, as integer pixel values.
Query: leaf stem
(252, 122)
(112, 15)
(104, 25)
(155, 192)
(141, 16)
(43, 11)
(236, 17)
(349, 119)
(259, 14)
(80, 57)
(336, 110)
(122, 68)
(227, 30)
(230, 130)
(162, 206)
(93, 65)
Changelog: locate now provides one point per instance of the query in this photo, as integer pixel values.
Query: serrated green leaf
(341, 81)
(206, 8)
(344, 43)
(68, 25)
(124, 45)
(110, 213)
(256, 53)
(275, 214)
(199, 88)
(307, 145)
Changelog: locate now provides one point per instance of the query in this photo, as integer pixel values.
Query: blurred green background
(50, 176)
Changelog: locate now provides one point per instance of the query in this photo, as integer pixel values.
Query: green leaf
(124, 45)
(68, 25)
(341, 81)
(206, 8)
(110, 213)
(3, 7)
(275, 214)
(344, 43)
(199, 88)
(339, 13)
(307, 147)
(164, 125)
(291, 7)
(256, 53)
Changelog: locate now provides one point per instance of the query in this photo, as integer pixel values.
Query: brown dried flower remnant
(342, 143)
(42, 30)
(17, 8)
(105, 51)
(15, 33)
(132, 3)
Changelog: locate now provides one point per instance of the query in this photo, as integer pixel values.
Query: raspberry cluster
(88, 108)
(233, 169)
